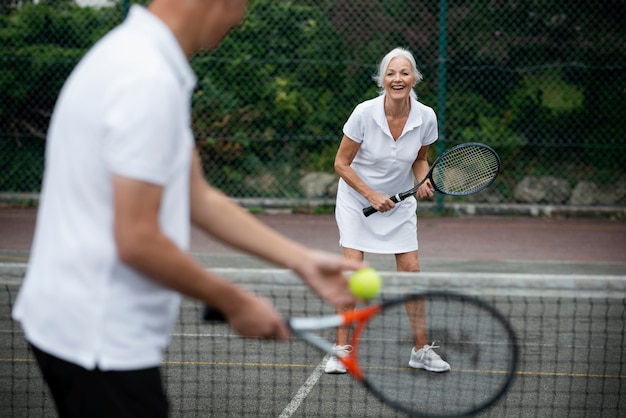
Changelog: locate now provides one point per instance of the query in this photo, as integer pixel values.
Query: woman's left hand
(425, 190)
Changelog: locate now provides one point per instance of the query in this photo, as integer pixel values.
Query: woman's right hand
(381, 202)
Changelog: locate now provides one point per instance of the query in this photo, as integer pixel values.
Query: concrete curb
(273, 205)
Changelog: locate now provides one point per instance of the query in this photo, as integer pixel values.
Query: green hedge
(529, 78)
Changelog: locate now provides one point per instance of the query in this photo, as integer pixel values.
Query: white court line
(304, 390)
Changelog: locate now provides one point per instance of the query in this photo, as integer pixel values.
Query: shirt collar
(413, 121)
(166, 42)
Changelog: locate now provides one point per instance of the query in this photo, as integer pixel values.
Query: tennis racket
(473, 337)
(461, 170)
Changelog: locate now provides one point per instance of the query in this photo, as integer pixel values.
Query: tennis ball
(365, 283)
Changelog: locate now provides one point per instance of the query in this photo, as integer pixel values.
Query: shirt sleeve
(140, 129)
(431, 133)
(354, 128)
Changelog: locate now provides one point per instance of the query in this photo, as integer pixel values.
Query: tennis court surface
(561, 284)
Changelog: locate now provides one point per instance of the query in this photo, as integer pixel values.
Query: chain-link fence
(543, 82)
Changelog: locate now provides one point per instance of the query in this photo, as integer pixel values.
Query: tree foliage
(520, 73)
(41, 44)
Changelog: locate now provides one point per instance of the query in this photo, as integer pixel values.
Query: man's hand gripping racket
(475, 338)
(462, 170)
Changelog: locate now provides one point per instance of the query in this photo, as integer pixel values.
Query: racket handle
(370, 209)
(211, 314)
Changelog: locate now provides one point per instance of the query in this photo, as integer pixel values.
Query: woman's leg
(343, 333)
(422, 356)
(342, 336)
(416, 310)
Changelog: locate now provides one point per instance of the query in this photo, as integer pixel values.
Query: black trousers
(79, 392)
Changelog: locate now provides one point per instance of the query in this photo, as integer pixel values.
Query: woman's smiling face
(399, 79)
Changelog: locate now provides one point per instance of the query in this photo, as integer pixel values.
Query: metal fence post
(441, 87)
(125, 8)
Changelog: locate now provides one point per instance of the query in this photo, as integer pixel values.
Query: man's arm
(142, 245)
(217, 215)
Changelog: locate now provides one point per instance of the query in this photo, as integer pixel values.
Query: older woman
(383, 151)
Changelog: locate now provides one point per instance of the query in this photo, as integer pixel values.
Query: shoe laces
(342, 350)
(428, 349)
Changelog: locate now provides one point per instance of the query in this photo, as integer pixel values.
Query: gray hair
(382, 68)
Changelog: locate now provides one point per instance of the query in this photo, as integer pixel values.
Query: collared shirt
(382, 162)
(125, 111)
(386, 166)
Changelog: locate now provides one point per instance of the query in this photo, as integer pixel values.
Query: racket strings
(476, 341)
(466, 170)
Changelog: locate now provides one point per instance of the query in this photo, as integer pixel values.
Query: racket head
(476, 339)
(465, 169)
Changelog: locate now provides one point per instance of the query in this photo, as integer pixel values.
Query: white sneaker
(334, 365)
(426, 358)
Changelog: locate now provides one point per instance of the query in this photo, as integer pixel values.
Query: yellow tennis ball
(365, 283)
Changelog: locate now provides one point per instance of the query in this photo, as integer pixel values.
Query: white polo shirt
(386, 166)
(125, 110)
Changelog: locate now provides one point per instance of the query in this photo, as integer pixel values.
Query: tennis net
(571, 331)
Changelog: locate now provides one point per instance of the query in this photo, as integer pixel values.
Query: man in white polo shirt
(123, 183)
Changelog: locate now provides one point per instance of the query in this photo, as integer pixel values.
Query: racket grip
(211, 314)
(370, 209)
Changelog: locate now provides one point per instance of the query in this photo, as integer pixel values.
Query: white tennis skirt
(391, 232)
